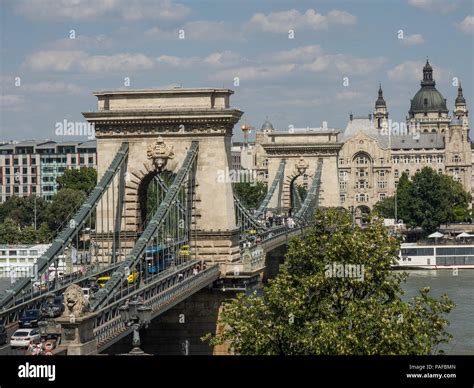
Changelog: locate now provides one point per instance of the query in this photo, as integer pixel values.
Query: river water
(460, 290)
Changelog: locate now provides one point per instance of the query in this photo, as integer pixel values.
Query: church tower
(460, 107)
(381, 113)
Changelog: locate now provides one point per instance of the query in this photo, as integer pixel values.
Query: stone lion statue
(74, 301)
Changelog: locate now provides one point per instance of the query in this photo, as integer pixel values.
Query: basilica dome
(428, 98)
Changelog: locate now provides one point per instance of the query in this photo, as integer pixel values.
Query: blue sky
(297, 81)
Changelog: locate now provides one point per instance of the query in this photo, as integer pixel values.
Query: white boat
(436, 256)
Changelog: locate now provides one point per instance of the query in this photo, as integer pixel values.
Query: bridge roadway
(167, 289)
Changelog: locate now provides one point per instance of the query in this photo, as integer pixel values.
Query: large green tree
(251, 194)
(428, 200)
(306, 311)
(22, 210)
(84, 179)
(9, 232)
(61, 210)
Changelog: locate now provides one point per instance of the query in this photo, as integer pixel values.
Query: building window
(429, 158)
(396, 159)
(382, 160)
(362, 197)
(342, 185)
(396, 174)
(418, 159)
(382, 196)
(25, 170)
(341, 160)
(382, 184)
(342, 198)
(361, 173)
(343, 176)
(362, 184)
(91, 160)
(362, 159)
(439, 159)
(456, 159)
(382, 173)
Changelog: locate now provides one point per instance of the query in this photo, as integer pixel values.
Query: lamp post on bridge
(136, 313)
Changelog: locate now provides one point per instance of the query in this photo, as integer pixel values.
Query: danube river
(460, 290)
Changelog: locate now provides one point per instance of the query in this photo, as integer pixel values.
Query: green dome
(428, 99)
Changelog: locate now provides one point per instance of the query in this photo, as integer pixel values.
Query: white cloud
(82, 61)
(93, 9)
(247, 73)
(174, 61)
(406, 71)
(53, 88)
(441, 6)
(411, 40)
(81, 42)
(225, 58)
(467, 25)
(298, 54)
(344, 64)
(281, 22)
(412, 71)
(201, 30)
(12, 102)
(349, 95)
(217, 59)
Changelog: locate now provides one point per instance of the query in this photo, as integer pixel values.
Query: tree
(43, 234)
(84, 179)
(22, 210)
(429, 200)
(64, 203)
(251, 194)
(9, 232)
(306, 311)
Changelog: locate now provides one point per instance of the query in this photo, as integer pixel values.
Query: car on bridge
(53, 307)
(22, 338)
(184, 251)
(132, 278)
(30, 318)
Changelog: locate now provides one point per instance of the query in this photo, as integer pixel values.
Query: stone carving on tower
(160, 152)
(301, 166)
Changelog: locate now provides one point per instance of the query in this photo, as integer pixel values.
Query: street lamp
(138, 314)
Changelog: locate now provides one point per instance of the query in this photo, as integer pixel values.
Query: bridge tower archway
(159, 126)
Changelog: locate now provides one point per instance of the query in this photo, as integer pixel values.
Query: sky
(297, 63)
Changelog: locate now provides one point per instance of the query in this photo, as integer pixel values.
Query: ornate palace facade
(373, 151)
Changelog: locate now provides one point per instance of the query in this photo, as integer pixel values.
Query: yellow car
(184, 251)
(101, 281)
(130, 278)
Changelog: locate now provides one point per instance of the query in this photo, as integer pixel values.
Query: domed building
(376, 151)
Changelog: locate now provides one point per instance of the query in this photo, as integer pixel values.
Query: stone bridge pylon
(159, 126)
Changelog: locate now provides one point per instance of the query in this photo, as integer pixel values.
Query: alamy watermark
(237, 176)
(75, 128)
(395, 128)
(341, 270)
